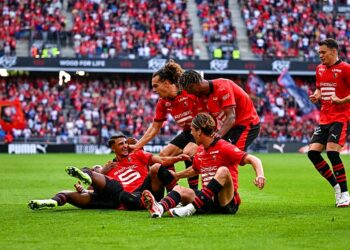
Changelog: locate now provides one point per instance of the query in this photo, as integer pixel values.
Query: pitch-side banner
(215, 66)
(42, 148)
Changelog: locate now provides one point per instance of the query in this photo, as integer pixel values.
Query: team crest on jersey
(167, 104)
(185, 104)
(335, 74)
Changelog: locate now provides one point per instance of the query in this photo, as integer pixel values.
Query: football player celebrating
(333, 91)
(217, 161)
(233, 109)
(119, 183)
(181, 105)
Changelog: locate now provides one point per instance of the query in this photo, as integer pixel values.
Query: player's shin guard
(338, 169)
(207, 193)
(322, 166)
(130, 201)
(192, 181)
(61, 199)
(166, 178)
(171, 200)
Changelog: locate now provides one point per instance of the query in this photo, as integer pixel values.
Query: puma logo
(279, 148)
(333, 135)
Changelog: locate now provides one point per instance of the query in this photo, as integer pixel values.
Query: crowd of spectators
(84, 108)
(18, 17)
(132, 29)
(282, 119)
(97, 107)
(217, 28)
(282, 29)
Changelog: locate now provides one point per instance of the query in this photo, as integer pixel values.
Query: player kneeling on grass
(119, 183)
(217, 161)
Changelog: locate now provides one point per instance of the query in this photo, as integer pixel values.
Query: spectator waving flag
(255, 85)
(299, 94)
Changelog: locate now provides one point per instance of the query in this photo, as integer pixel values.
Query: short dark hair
(171, 71)
(205, 122)
(190, 77)
(111, 140)
(329, 43)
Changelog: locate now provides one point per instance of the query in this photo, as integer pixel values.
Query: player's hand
(110, 164)
(79, 188)
(183, 157)
(131, 141)
(216, 135)
(260, 182)
(336, 100)
(314, 98)
(97, 168)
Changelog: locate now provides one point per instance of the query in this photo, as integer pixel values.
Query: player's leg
(336, 140)
(190, 150)
(237, 136)
(222, 182)
(156, 209)
(160, 177)
(60, 199)
(170, 150)
(87, 176)
(317, 145)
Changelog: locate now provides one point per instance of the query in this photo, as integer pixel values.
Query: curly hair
(190, 77)
(171, 71)
(205, 122)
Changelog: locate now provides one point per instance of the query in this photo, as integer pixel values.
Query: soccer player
(119, 183)
(217, 161)
(182, 106)
(333, 91)
(234, 111)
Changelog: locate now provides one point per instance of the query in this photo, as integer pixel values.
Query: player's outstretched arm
(256, 163)
(187, 173)
(170, 160)
(150, 133)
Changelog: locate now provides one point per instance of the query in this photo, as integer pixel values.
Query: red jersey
(334, 80)
(183, 108)
(131, 171)
(220, 153)
(225, 93)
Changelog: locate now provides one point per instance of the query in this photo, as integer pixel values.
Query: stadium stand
(132, 29)
(292, 29)
(218, 31)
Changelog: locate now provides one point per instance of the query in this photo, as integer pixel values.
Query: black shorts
(108, 198)
(242, 136)
(147, 185)
(214, 207)
(182, 139)
(335, 132)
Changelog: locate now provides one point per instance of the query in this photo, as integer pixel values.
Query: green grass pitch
(294, 211)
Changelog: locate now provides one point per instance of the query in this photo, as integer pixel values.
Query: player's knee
(222, 172)
(334, 157)
(154, 169)
(314, 155)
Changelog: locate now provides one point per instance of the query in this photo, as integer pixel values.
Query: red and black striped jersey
(333, 80)
(131, 171)
(220, 153)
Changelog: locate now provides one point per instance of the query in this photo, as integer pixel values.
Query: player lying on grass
(119, 183)
(216, 160)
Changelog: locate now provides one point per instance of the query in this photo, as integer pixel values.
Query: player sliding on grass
(333, 91)
(217, 162)
(119, 183)
(181, 106)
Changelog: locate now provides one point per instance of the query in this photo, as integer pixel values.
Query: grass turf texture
(294, 211)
